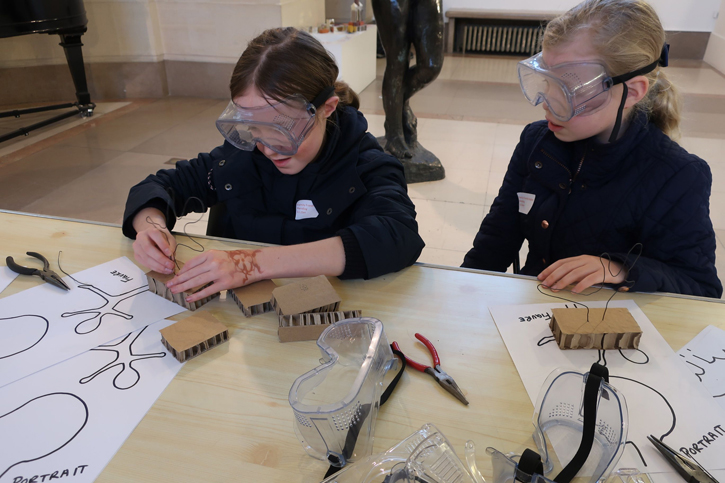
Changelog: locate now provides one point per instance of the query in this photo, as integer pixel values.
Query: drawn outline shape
(47, 324)
(97, 310)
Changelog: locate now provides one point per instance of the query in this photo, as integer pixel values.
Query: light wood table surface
(225, 417)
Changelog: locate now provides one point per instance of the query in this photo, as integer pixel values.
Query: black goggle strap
(663, 61)
(354, 431)
(323, 96)
(530, 461)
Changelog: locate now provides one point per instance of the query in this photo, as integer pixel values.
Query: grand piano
(66, 18)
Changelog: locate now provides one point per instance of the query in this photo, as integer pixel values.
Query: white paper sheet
(70, 419)
(705, 357)
(6, 277)
(655, 381)
(42, 326)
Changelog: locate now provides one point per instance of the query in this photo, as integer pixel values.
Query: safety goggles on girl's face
(571, 89)
(281, 126)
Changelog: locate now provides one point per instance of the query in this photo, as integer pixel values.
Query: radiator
(499, 39)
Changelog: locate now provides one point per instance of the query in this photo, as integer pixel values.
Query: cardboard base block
(193, 336)
(254, 299)
(314, 294)
(157, 284)
(618, 330)
(310, 326)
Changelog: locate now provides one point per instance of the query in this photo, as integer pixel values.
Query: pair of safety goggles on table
(281, 126)
(574, 88)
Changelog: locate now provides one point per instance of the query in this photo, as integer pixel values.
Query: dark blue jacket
(642, 188)
(358, 190)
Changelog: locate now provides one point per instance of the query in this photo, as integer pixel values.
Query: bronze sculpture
(402, 24)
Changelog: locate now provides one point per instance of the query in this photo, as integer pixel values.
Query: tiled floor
(470, 117)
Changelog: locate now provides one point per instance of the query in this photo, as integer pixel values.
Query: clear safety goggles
(424, 456)
(336, 404)
(569, 90)
(281, 126)
(574, 412)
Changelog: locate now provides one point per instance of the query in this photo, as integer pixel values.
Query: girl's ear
(637, 89)
(329, 106)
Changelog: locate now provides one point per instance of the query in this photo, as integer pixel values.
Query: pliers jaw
(447, 383)
(53, 279)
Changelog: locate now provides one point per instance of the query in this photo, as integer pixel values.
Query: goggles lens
(569, 90)
(281, 126)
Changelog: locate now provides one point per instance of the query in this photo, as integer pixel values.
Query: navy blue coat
(358, 190)
(642, 188)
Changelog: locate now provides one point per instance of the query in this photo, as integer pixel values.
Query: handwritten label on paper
(526, 201)
(529, 318)
(50, 476)
(305, 209)
(705, 357)
(124, 278)
(702, 444)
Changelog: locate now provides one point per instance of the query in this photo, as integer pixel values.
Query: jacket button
(352, 189)
(329, 211)
(538, 164)
(623, 289)
(584, 186)
(221, 163)
(562, 186)
(544, 224)
(228, 187)
(544, 260)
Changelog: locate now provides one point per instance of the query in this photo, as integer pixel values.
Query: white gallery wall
(715, 53)
(678, 15)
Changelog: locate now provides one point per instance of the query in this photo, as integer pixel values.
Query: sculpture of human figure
(402, 23)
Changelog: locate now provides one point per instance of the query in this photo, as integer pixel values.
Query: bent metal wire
(281, 126)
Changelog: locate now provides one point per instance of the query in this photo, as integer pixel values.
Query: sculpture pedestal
(423, 166)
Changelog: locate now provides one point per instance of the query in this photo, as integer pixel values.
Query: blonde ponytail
(663, 104)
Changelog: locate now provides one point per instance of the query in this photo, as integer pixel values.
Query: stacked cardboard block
(157, 284)
(616, 329)
(254, 299)
(194, 335)
(306, 308)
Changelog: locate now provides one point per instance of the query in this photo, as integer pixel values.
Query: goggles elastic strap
(323, 96)
(528, 465)
(620, 110)
(597, 374)
(354, 431)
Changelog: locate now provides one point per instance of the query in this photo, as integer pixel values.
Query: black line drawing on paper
(703, 364)
(98, 313)
(42, 406)
(124, 361)
(6, 352)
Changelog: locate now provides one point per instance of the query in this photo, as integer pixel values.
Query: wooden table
(225, 417)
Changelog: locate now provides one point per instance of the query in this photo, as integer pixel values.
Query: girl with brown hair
(602, 175)
(298, 169)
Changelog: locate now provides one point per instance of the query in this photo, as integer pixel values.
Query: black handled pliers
(46, 274)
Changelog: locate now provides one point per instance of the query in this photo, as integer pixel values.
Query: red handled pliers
(438, 374)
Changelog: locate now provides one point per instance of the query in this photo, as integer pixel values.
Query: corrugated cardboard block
(618, 330)
(254, 299)
(309, 295)
(310, 326)
(157, 284)
(194, 335)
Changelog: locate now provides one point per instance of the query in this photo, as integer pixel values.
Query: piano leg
(71, 43)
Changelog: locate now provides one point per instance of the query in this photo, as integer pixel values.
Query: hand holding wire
(155, 247)
(584, 270)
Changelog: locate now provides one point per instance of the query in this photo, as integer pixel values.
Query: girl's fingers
(196, 261)
(587, 282)
(149, 255)
(182, 279)
(210, 290)
(576, 274)
(162, 241)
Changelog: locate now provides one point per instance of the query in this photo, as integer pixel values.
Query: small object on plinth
(310, 326)
(254, 299)
(423, 166)
(193, 336)
(314, 294)
(616, 329)
(157, 284)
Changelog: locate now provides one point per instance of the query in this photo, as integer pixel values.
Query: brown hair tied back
(283, 62)
(627, 35)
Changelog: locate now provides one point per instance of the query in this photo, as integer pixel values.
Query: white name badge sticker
(305, 209)
(526, 201)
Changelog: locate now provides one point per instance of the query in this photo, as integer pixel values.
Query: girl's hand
(224, 269)
(587, 270)
(154, 246)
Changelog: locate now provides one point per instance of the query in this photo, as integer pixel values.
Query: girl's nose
(265, 150)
